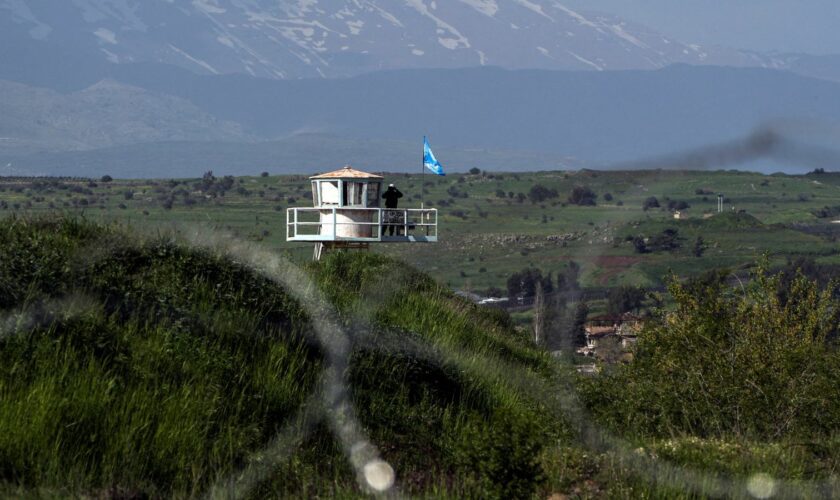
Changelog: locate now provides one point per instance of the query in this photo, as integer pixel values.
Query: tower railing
(376, 224)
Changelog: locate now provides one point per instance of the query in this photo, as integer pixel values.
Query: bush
(106, 178)
(582, 196)
(539, 193)
(730, 362)
(639, 244)
(666, 241)
(650, 202)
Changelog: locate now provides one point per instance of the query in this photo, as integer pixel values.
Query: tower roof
(347, 172)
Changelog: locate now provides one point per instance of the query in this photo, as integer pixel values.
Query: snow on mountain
(335, 38)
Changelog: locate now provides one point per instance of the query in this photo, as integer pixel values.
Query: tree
(227, 182)
(699, 247)
(557, 322)
(207, 180)
(571, 277)
(582, 196)
(539, 193)
(475, 171)
(650, 202)
(106, 178)
(625, 299)
(525, 283)
(639, 244)
(547, 284)
(667, 240)
(608, 197)
(579, 325)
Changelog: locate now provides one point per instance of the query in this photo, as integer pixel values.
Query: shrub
(582, 196)
(539, 193)
(650, 202)
(729, 362)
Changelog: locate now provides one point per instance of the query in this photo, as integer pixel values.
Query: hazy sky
(811, 26)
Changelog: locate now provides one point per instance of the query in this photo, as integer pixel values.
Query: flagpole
(422, 176)
(423, 218)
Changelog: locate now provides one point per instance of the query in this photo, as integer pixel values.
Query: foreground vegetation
(145, 366)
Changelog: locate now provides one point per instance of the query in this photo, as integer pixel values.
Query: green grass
(174, 366)
(140, 365)
(476, 254)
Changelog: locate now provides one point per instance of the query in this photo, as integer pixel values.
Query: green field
(486, 237)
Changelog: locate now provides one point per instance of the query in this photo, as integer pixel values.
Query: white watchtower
(346, 213)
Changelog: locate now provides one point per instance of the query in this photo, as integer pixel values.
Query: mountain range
(539, 119)
(339, 38)
(305, 84)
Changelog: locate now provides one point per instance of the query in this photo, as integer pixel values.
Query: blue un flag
(429, 160)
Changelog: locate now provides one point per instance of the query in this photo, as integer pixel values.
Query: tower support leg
(322, 248)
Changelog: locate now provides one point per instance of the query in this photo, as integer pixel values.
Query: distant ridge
(526, 119)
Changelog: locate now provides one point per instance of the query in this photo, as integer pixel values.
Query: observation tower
(346, 213)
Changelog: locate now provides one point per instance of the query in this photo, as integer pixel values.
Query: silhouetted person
(392, 217)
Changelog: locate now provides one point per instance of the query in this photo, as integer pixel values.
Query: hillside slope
(184, 367)
(105, 114)
(146, 367)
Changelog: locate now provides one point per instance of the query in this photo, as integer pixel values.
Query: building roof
(600, 331)
(347, 172)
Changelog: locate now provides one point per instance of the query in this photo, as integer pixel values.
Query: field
(489, 225)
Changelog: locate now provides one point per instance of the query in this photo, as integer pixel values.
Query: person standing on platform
(392, 218)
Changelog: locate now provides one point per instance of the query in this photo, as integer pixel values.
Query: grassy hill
(145, 366)
(138, 364)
